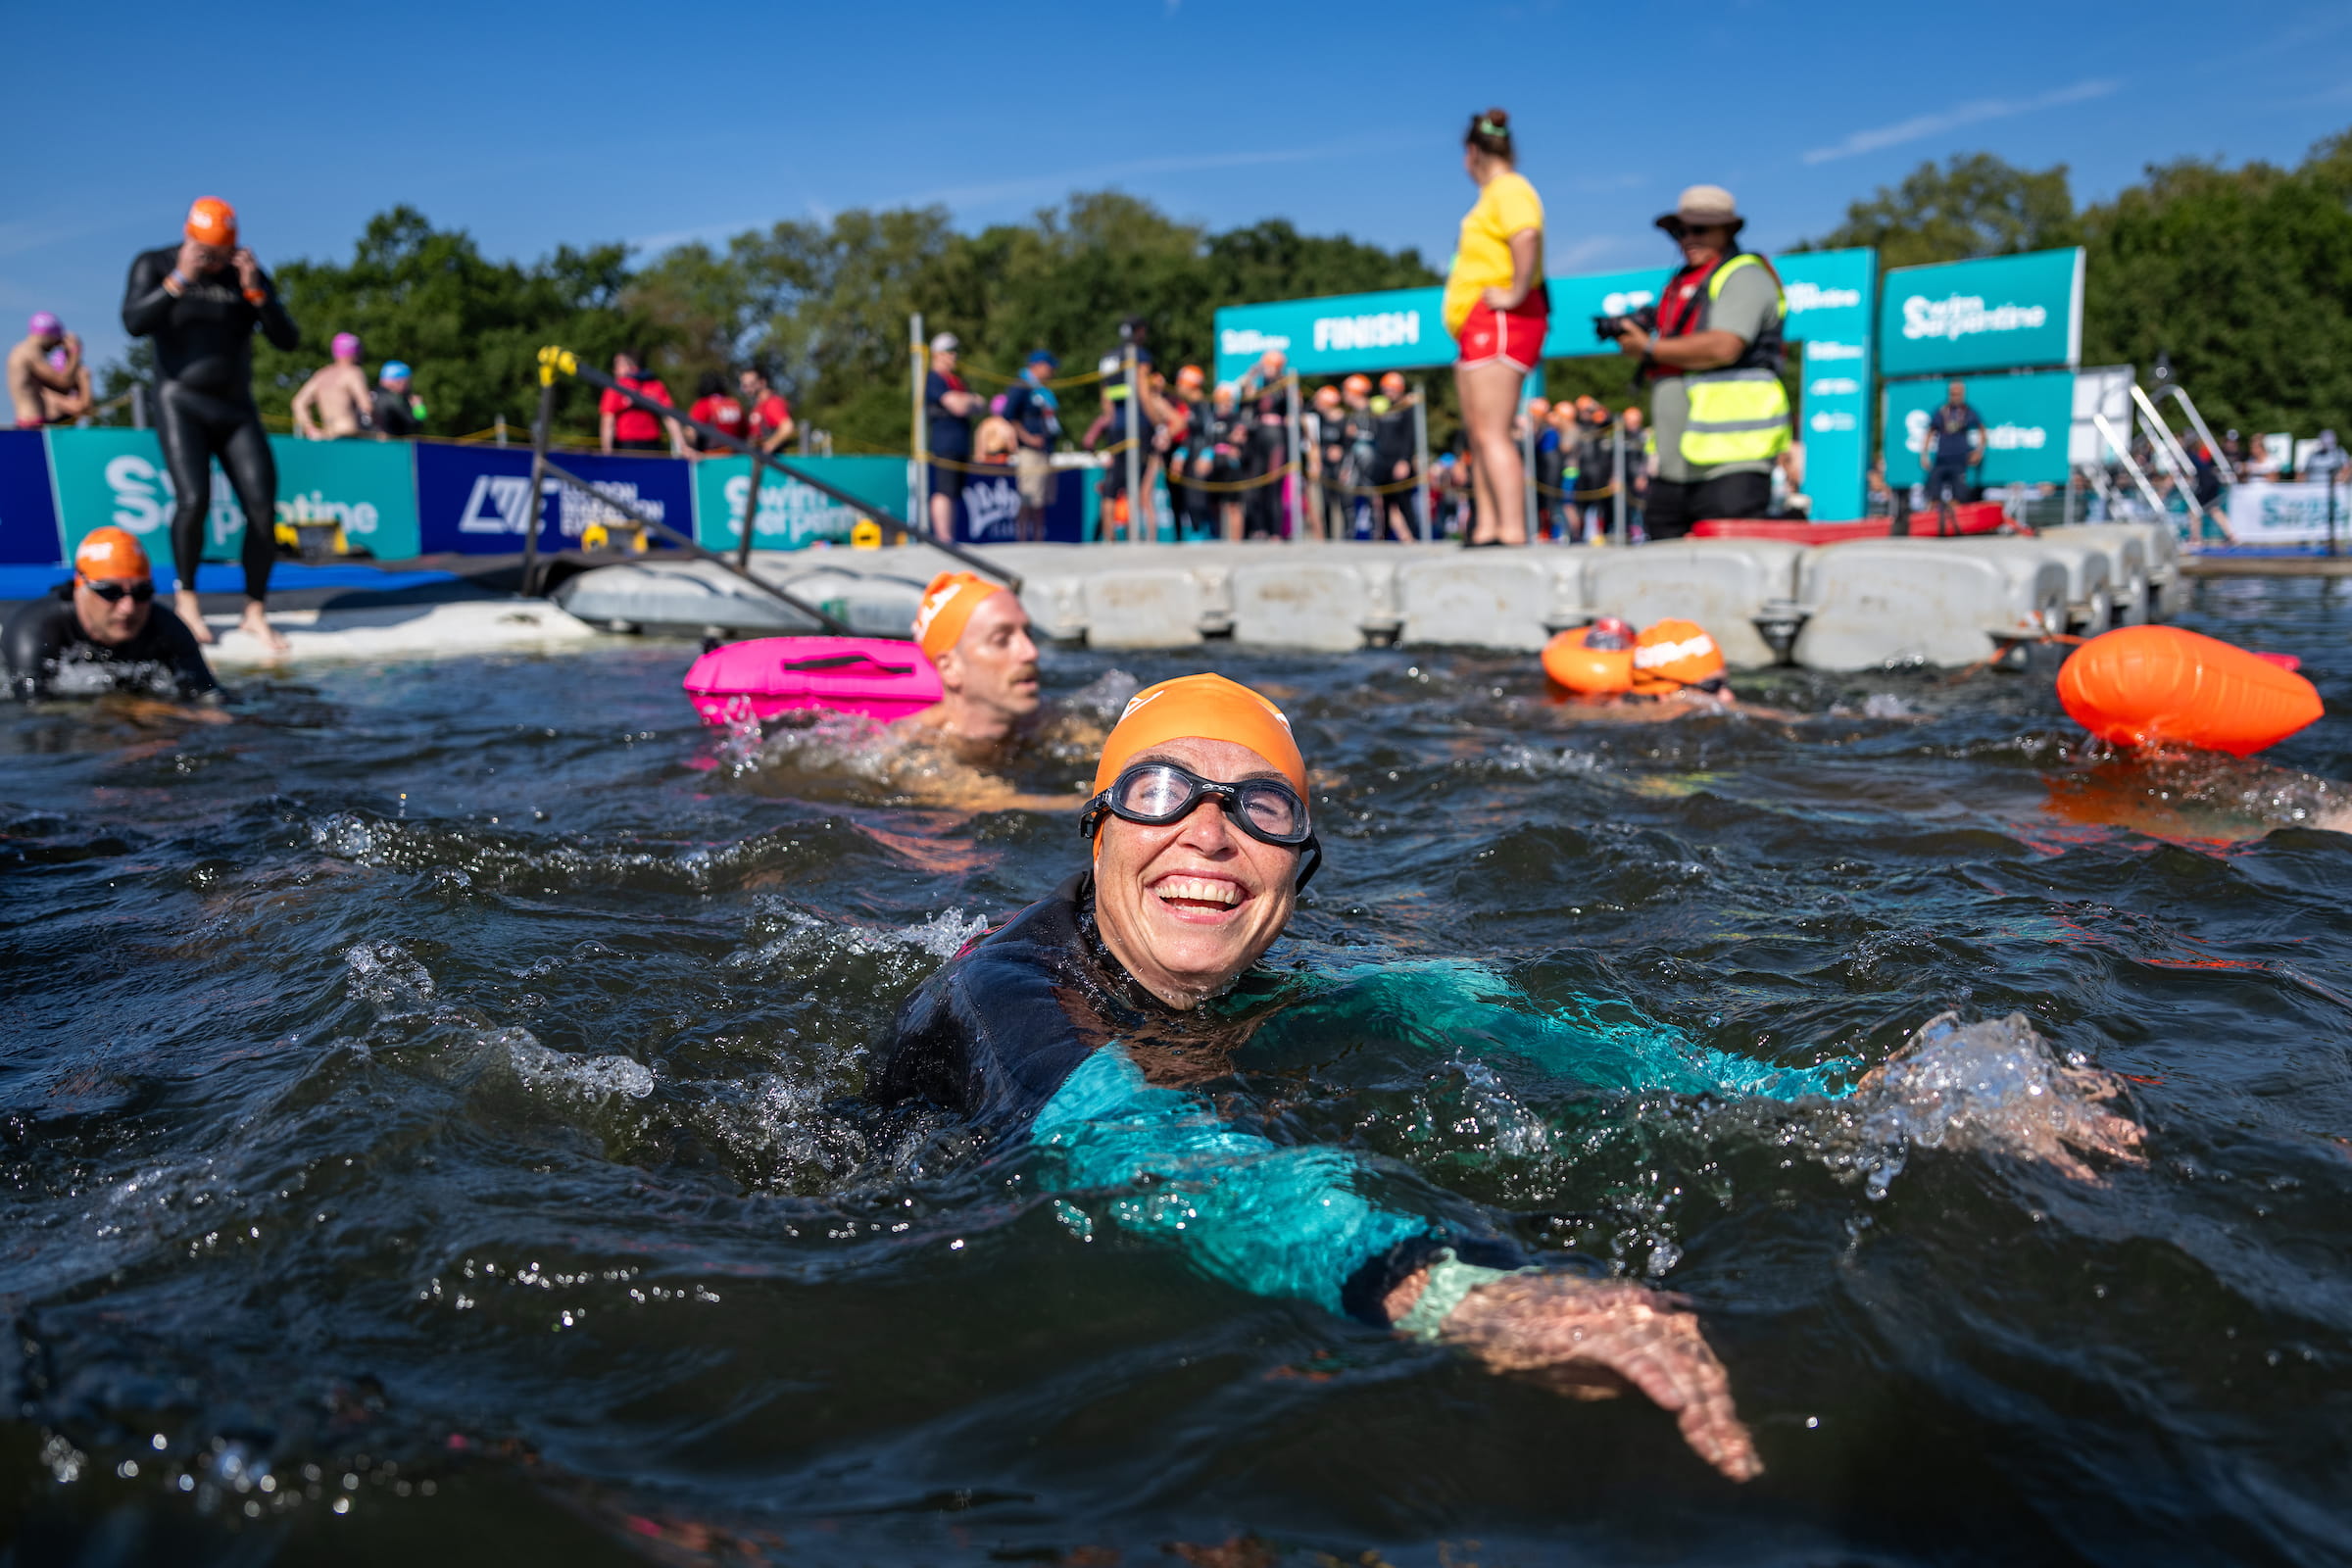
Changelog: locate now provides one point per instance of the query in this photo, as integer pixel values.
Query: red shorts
(1515, 338)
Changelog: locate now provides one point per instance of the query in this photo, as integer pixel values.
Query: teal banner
(1999, 313)
(1399, 329)
(2026, 421)
(791, 514)
(1829, 315)
(1394, 329)
(117, 476)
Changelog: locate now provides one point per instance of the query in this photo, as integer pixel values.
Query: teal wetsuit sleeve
(1464, 1009)
(1269, 1219)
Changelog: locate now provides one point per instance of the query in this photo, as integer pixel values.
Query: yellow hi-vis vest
(1738, 414)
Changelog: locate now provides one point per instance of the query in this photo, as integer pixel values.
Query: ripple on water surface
(431, 1112)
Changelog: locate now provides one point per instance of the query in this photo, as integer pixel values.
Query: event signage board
(472, 500)
(28, 534)
(1405, 329)
(791, 514)
(1389, 329)
(1829, 294)
(2289, 513)
(1996, 313)
(989, 511)
(111, 476)
(2027, 422)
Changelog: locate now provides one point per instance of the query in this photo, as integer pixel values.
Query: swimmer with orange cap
(976, 635)
(202, 299)
(1673, 665)
(1094, 1021)
(1126, 1038)
(101, 632)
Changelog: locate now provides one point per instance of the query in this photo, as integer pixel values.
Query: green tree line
(2243, 276)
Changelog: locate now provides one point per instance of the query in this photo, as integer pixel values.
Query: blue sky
(654, 124)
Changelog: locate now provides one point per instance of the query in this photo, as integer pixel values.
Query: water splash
(1994, 1086)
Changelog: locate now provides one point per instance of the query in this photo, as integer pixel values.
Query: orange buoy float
(2147, 685)
(1594, 660)
(1671, 654)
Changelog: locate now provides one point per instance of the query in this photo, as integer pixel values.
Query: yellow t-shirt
(1506, 204)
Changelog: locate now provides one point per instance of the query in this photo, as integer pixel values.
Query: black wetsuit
(394, 415)
(204, 403)
(49, 655)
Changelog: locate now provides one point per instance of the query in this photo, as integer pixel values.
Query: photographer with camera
(1711, 352)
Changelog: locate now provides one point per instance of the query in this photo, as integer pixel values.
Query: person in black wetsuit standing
(201, 300)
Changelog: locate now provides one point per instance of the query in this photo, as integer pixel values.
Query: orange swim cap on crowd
(1360, 383)
(213, 222)
(111, 553)
(948, 604)
(1190, 377)
(1392, 382)
(1671, 654)
(1204, 707)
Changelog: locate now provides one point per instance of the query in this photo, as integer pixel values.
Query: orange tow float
(2153, 685)
(1592, 661)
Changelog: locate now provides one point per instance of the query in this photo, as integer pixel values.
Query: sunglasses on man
(112, 592)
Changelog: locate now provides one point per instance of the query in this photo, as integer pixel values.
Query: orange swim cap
(111, 553)
(1671, 654)
(213, 222)
(1190, 377)
(1205, 707)
(948, 604)
(1392, 382)
(1360, 383)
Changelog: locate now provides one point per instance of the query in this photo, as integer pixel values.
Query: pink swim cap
(346, 345)
(59, 358)
(44, 323)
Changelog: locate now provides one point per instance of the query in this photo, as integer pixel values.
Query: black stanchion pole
(750, 509)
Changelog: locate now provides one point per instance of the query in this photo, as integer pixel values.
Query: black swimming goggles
(112, 592)
(1157, 794)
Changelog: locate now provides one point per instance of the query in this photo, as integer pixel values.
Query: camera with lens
(1610, 329)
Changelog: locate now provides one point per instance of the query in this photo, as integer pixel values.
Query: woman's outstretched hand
(1589, 1338)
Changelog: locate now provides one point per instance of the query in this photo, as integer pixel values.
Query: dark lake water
(420, 1140)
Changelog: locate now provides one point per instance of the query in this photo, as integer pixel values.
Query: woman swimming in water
(1094, 1024)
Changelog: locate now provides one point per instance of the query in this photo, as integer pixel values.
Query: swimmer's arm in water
(1455, 1007)
(1291, 1222)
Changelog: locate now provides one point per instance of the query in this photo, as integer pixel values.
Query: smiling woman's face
(1188, 906)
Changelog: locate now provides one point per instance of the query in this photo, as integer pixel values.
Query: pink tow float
(880, 677)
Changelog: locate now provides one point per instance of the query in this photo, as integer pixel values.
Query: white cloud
(1968, 113)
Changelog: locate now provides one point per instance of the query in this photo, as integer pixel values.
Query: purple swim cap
(59, 358)
(346, 345)
(44, 323)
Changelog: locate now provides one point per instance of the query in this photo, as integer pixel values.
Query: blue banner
(28, 533)
(989, 512)
(472, 500)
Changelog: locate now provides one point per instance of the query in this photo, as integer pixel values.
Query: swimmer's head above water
(1188, 898)
(976, 634)
(114, 586)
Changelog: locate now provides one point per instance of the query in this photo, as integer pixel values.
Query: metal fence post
(530, 516)
(919, 513)
(1135, 467)
(1293, 492)
(1421, 486)
(1617, 480)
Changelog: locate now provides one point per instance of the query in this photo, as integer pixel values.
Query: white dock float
(389, 633)
(1852, 605)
